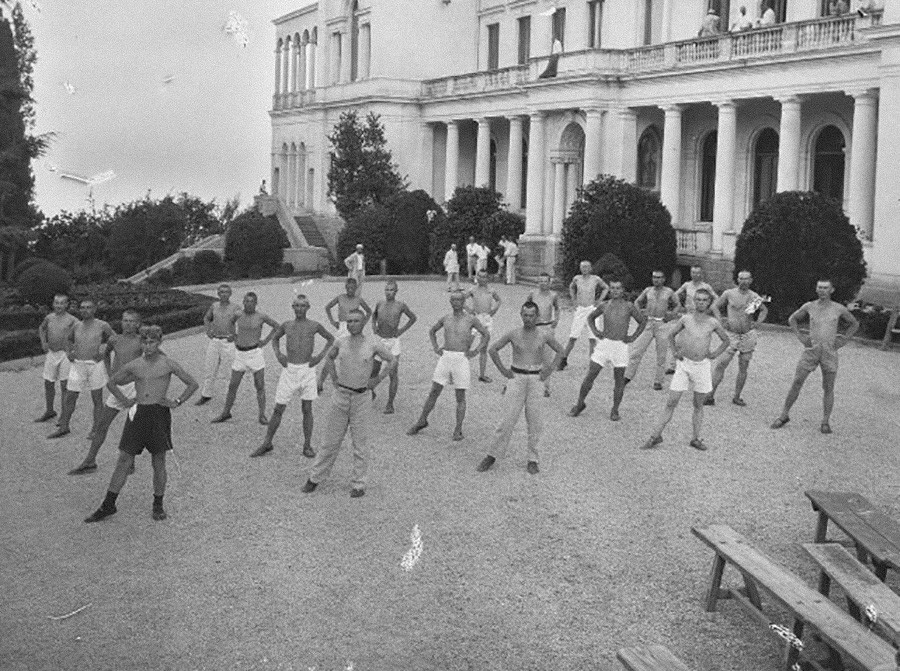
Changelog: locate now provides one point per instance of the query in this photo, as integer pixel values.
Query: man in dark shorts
(149, 422)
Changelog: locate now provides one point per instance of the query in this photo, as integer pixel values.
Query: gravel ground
(555, 571)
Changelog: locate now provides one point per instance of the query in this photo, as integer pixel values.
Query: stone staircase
(310, 231)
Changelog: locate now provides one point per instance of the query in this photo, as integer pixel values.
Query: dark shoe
(546, 393)
(653, 442)
(457, 436)
(388, 410)
(657, 386)
(485, 464)
(159, 514)
(415, 428)
(47, 416)
(485, 379)
(739, 402)
(563, 363)
(781, 421)
(83, 468)
(697, 444)
(203, 400)
(261, 450)
(356, 493)
(224, 417)
(309, 487)
(825, 428)
(614, 416)
(670, 371)
(577, 409)
(532, 467)
(709, 400)
(626, 380)
(59, 433)
(100, 514)
(308, 452)
(263, 420)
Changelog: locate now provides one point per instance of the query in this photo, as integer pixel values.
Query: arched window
(354, 41)
(492, 166)
(708, 177)
(311, 57)
(765, 166)
(648, 159)
(828, 165)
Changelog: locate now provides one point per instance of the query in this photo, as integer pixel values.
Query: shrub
(613, 216)
(183, 269)
(18, 344)
(610, 267)
(90, 273)
(254, 245)
(207, 267)
(794, 239)
(39, 283)
(24, 265)
(367, 228)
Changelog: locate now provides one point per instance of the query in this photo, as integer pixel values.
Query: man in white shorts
(298, 372)
(87, 372)
(453, 366)
(583, 291)
(485, 303)
(692, 365)
(612, 345)
(54, 334)
(387, 329)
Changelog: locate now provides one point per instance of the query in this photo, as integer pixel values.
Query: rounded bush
(369, 229)
(24, 265)
(794, 239)
(254, 245)
(39, 283)
(613, 216)
(207, 267)
(610, 267)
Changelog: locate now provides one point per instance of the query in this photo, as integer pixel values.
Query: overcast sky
(206, 132)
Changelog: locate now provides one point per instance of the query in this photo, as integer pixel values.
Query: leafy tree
(611, 267)
(362, 171)
(142, 233)
(792, 240)
(71, 239)
(613, 216)
(254, 245)
(40, 282)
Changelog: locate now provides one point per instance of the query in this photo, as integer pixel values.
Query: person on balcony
(768, 16)
(743, 21)
(712, 24)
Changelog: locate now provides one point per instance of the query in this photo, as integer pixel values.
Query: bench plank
(837, 628)
(650, 658)
(860, 585)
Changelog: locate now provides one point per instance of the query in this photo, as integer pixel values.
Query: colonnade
(295, 63)
(293, 175)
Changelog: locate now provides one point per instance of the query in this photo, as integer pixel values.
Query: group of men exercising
(87, 355)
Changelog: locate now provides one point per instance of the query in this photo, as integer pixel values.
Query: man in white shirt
(743, 21)
(451, 267)
(510, 254)
(482, 251)
(356, 267)
(768, 16)
(472, 256)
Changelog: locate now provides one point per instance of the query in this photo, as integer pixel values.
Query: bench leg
(853, 609)
(792, 654)
(715, 583)
(752, 592)
(881, 571)
(824, 583)
(821, 528)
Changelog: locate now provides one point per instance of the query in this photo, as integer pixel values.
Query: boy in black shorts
(149, 421)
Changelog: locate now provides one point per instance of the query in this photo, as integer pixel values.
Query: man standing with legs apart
(660, 306)
(356, 268)
(451, 267)
(583, 291)
(349, 364)
(298, 372)
(247, 327)
(485, 303)
(149, 421)
(120, 350)
(742, 304)
(454, 362)
(54, 333)
(386, 326)
(87, 372)
(529, 369)
(820, 349)
(612, 345)
(548, 313)
(221, 340)
(692, 365)
(346, 302)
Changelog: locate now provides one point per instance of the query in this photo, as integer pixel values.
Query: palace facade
(714, 124)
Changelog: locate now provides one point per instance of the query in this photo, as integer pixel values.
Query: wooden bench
(844, 635)
(862, 587)
(875, 535)
(650, 658)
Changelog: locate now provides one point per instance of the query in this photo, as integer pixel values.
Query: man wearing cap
(356, 267)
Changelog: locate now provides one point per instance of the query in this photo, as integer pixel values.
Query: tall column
(451, 167)
(559, 196)
(346, 56)
(667, 20)
(534, 211)
(295, 71)
(301, 68)
(483, 153)
(572, 184)
(286, 67)
(311, 76)
(726, 143)
(278, 50)
(862, 160)
(365, 50)
(334, 74)
(273, 182)
(426, 160)
(789, 144)
(593, 144)
(670, 186)
(514, 164)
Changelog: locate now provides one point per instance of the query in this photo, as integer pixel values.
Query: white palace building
(715, 123)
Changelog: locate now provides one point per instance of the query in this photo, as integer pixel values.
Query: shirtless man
(298, 372)
(583, 291)
(612, 345)
(54, 333)
(246, 327)
(660, 306)
(454, 362)
(120, 350)
(529, 368)
(485, 303)
(686, 291)
(741, 327)
(347, 301)
(820, 349)
(220, 347)
(386, 326)
(349, 365)
(692, 365)
(87, 372)
(149, 421)
(547, 301)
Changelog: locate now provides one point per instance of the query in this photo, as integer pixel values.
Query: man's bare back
(87, 336)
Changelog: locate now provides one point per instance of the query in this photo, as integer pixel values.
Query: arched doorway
(828, 163)
(765, 166)
(568, 170)
(648, 162)
(708, 176)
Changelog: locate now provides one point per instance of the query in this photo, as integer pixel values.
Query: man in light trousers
(660, 305)
(220, 348)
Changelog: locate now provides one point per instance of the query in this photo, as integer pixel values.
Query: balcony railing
(493, 80)
(693, 240)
